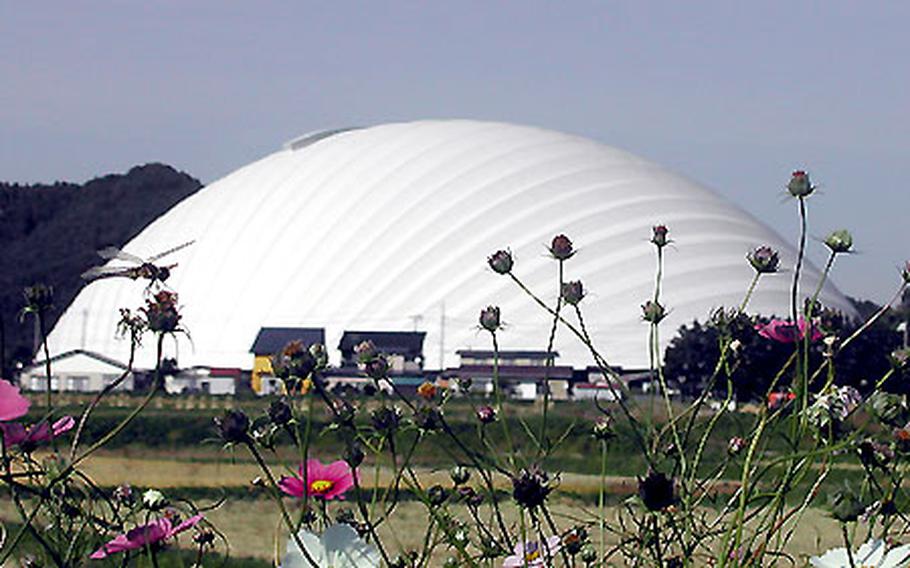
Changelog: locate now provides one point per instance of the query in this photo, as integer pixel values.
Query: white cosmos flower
(339, 547)
(873, 554)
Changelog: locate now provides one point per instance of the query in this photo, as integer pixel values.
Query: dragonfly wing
(169, 251)
(101, 272)
(110, 253)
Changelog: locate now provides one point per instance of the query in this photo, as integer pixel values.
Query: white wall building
(77, 371)
(203, 380)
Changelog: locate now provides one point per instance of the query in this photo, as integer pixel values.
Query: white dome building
(389, 228)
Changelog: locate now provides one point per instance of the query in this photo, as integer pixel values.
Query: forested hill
(50, 234)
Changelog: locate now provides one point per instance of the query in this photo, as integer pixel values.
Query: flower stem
(276, 495)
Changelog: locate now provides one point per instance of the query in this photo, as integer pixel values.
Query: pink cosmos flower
(778, 399)
(17, 434)
(783, 331)
(325, 481)
(12, 404)
(532, 554)
(144, 535)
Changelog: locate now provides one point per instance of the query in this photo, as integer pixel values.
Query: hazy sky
(731, 94)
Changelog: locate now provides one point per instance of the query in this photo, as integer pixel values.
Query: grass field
(172, 449)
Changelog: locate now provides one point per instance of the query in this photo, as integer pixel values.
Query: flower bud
(501, 262)
(531, 487)
(279, 412)
(900, 358)
(437, 495)
(204, 537)
(799, 185)
(572, 292)
(845, 507)
(427, 390)
(561, 248)
(353, 455)
(460, 475)
(764, 260)
(385, 419)
(486, 414)
(470, 496)
(344, 412)
(657, 491)
(428, 418)
(574, 540)
(377, 367)
(123, 494)
(659, 235)
(839, 241)
(603, 428)
(234, 427)
(489, 318)
(154, 500)
(365, 351)
(875, 454)
(345, 516)
(652, 311)
(320, 355)
(735, 445)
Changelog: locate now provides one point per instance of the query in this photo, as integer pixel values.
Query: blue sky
(731, 94)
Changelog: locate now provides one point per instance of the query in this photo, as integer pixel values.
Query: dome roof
(389, 228)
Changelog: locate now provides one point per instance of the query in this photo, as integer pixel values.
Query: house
(203, 380)
(403, 349)
(523, 375)
(78, 370)
(592, 383)
(271, 340)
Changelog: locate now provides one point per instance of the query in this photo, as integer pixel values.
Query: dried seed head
(280, 412)
(531, 487)
(659, 235)
(561, 248)
(501, 262)
(234, 427)
(573, 292)
(489, 318)
(652, 311)
(657, 491)
(764, 260)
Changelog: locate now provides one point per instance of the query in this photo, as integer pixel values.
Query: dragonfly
(144, 268)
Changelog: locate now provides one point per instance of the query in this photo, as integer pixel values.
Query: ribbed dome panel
(376, 228)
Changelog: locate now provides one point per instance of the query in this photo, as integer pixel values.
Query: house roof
(271, 340)
(527, 354)
(75, 352)
(408, 343)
